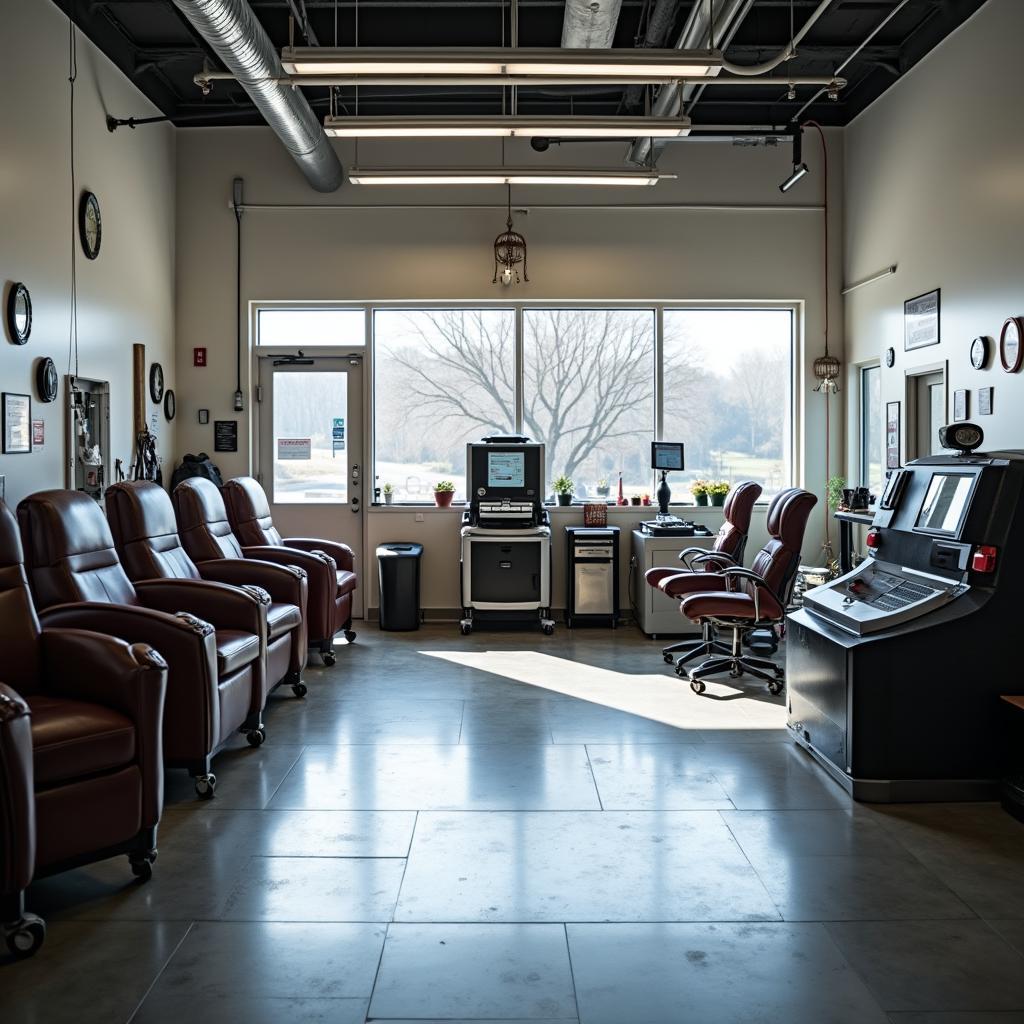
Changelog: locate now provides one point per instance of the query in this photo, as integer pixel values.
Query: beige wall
(935, 184)
(367, 254)
(127, 294)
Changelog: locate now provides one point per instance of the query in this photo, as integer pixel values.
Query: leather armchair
(215, 684)
(739, 599)
(206, 535)
(330, 586)
(141, 518)
(81, 758)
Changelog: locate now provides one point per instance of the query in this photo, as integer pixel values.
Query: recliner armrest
(343, 555)
(130, 678)
(284, 583)
(711, 560)
(226, 607)
(17, 794)
(315, 563)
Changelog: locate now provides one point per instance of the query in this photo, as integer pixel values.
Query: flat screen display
(666, 455)
(945, 503)
(506, 469)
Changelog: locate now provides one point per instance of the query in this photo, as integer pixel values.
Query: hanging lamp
(509, 252)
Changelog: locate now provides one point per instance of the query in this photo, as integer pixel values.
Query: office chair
(726, 550)
(756, 597)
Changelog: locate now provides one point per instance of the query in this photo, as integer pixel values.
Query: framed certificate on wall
(921, 321)
(17, 417)
(892, 435)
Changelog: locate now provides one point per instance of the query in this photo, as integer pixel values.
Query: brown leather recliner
(206, 531)
(214, 685)
(81, 760)
(141, 519)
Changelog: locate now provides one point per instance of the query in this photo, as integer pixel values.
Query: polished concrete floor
(509, 827)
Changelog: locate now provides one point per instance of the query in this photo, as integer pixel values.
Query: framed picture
(921, 321)
(892, 435)
(17, 417)
(960, 405)
(985, 401)
(225, 435)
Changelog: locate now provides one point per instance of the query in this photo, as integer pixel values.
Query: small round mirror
(19, 314)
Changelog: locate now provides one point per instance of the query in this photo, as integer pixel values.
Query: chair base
(738, 665)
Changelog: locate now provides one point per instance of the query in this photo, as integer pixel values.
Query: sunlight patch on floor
(660, 697)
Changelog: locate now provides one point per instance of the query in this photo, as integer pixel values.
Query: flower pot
(718, 500)
(603, 492)
(634, 501)
(388, 498)
(443, 499)
(564, 499)
(701, 499)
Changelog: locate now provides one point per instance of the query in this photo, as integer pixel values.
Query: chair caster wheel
(681, 671)
(142, 867)
(697, 686)
(25, 936)
(735, 673)
(669, 658)
(549, 630)
(350, 635)
(299, 689)
(775, 687)
(465, 629)
(256, 737)
(329, 658)
(206, 786)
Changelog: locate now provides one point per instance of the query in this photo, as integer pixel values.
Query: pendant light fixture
(509, 252)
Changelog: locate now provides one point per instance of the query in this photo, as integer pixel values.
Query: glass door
(310, 417)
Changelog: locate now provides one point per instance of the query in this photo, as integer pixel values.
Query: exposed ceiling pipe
(590, 24)
(659, 24)
(697, 34)
(231, 29)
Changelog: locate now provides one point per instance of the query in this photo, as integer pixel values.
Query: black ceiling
(158, 50)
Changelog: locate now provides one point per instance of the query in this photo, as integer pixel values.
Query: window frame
(863, 460)
(659, 308)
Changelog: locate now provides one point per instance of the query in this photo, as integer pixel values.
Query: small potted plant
(389, 493)
(717, 492)
(645, 499)
(603, 490)
(634, 499)
(444, 491)
(836, 486)
(563, 490)
(699, 490)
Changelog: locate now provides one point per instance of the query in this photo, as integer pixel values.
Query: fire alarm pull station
(199, 357)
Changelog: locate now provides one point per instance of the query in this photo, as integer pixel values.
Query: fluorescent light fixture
(503, 176)
(799, 170)
(647, 65)
(521, 127)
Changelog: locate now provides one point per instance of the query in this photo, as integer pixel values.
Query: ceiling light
(799, 167)
(521, 127)
(373, 63)
(502, 176)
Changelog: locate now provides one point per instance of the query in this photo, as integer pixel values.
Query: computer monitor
(667, 455)
(496, 471)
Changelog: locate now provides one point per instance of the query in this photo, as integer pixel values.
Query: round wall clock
(47, 381)
(890, 357)
(19, 313)
(979, 353)
(1010, 351)
(170, 406)
(156, 383)
(90, 226)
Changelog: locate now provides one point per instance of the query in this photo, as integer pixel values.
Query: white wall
(935, 183)
(367, 254)
(127, 294)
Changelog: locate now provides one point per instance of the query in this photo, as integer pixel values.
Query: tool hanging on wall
(146, 464)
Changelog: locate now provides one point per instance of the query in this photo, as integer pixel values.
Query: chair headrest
(775, 510)
(198, 501)
(246, 499)
(739, 505)
(58, 524)
(791, 517)
(10, 540)
(139, 510)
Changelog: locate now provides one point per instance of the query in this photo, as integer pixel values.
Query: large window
(442, 378)
(728, 394)
(588, 394)
(871, 428)
(310, 328)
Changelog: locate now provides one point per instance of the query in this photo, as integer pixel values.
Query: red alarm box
(199, 357)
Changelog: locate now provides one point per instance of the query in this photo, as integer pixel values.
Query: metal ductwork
(590, 24)
(659, 24)
(697, 34)
(231, 29)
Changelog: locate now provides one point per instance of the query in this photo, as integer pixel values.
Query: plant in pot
(563, 490)
(717, 492)
(444, 491)
(389, 493)
(836, 485)
(699, 490)
(645, 500)
(634, 499)
(602, 488)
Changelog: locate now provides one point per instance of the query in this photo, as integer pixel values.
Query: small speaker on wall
(204, 416)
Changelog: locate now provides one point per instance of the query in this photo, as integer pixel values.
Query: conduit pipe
(590, 24)
(786, 54)
(231, 29)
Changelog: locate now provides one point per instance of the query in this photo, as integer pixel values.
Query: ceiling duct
(590, 24)
(231, 29)
(697, 34)
(659, 24)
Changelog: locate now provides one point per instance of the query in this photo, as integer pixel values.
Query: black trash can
(399, 575)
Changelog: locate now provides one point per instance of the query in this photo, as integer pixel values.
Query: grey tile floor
(508, 827)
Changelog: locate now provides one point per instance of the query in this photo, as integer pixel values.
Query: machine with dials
(894, 670)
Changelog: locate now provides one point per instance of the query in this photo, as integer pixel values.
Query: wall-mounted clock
(170, 406)
(19, 313)
(1011, 354)
(890, 357)
(47, 381)
(979, 353)
(90, 226)
(156, 383)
